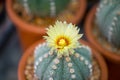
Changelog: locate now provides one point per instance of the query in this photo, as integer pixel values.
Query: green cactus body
(75, 67)
(44, 8)
(107, 19)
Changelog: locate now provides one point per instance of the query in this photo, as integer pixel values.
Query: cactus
(107, 19)
(44, 8)
(50, 64)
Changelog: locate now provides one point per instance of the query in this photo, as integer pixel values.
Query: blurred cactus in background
(43, 8)
(108, 20)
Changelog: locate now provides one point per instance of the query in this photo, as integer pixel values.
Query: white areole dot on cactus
(62, 57)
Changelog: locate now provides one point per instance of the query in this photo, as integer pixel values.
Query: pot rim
(88, 31)
(29, 51)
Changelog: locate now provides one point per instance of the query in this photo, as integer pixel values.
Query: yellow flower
(63, 38)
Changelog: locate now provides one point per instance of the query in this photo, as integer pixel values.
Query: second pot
(113, 59)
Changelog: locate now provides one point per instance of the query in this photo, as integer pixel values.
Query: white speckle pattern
(98, 9)
(105, 2)
(86, 62)
(111, 28)
(51, 72)
(25, 0)
(91, 70)
(26, 6)
(77, 55)
(73, 76)
(101, 5)
(50, 78)
(81, 58)
(115, 18)
(38, 47)
(56, 61)
(52, 8)
(68, 59)
(113, 23)
(86, 47)
(72, 70)
(70, 64)
(54, 67)
(50, 53)
(89, 66)
(36, 63)
(35, 68)
(40, 59)
(46, 55)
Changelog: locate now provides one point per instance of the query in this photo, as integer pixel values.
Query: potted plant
(102, 30)
(32, 17)
(62, 57)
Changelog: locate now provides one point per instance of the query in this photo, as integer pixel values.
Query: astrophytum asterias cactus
(62, 57)
(108, 20)
(44, 8)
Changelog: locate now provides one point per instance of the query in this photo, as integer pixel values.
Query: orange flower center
(62, 42)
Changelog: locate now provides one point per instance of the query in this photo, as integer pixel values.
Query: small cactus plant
(108, 17)
(44, 8)
(61, 57)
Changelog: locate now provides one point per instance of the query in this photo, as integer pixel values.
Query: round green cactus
(44, 7)
(48, 66)
(107, 19)
(62, 57)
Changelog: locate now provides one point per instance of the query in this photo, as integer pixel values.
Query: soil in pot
(31, 28)
(111, 54)
(26, 70)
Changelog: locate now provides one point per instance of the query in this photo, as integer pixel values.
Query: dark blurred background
(10, 50)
